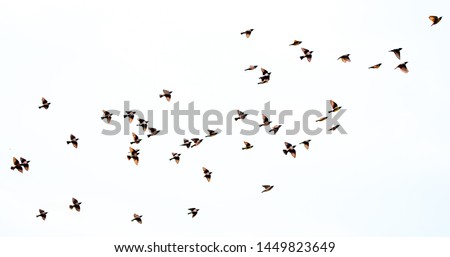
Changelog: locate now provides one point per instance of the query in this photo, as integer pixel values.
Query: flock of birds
(24, 164)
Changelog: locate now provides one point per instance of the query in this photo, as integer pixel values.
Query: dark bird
(241, 115)
(134, 155)
(265, 72)
(434, 19)
(306, 54)
(167, 94)
(251, 67)
(130, 115)
(334, 107)
(247, 33)
(137, 218)
(296, 43)
(153, 132)
(186, 143)
(42, 214)
(334, 127)
(322, 119)
(275, 129)
(396, 52)
(247, 146)
(17, 165)
(75, 205)
(143, 124)
(265, 77)
(212, 133)
(207, 174)
(267, 188)
(306, 143)
(403, 67)
(345, 58)
(136, 139)
(45, 104)
(290, 149)
(176, 157)
(193, 211)
(266, 121)
(376, 66)
(196, 141)
(25, 164)
(107, 115)
(73, 141)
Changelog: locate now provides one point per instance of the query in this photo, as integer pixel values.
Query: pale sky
(389, 176)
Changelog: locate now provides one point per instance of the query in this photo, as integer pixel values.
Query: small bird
(73, 141)
(376, 66)
(137, 218)
(241, 115)
(75, 205)
(193, 211)
(247, 33)
(345, 58)
(334, 107)
(196, 142)
(136, 139)
(153, 132)
(45, 104)
(403, 67)
(207, 174)
(186, 143)
(176, 157)
(322, 119)
(265, 72)
(107, 115)
(134, 155)
(296, 43)
(306, 143)
(267, 188)
(396, 52)
(434, 19)
(25, 163)
(334, 127)
(42, 214)
(306, 54)
(247, 146)
(290, 149)
(212, 133)
(265, 77)
(251, 67)
(143, 124)
(167, 94)
(130, 115)
(266, 121)
(275, 129)
(17, 165)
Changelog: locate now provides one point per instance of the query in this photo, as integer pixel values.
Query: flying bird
(107, 115)
(306, 143)
(136, 139)
(247, 146)
(137, 218)
(241, 115)
(134, 155)
(396, 52)
(306, 54)
(334, 107)
(376, 66)
(267, 188)
(403, 67)
(196, 142)
(345, 58)
(321, 119)
(275, 129)
(73, 141)
(176, 157)
(296, 43)
(130, 115)
(25, 164)
(266, 121)
(42, 214)
(434, 19)
(167, 94)
(251, 67)
(212, 133)
(290, 149)
(247, 33)
(17, 165)
(207, 174)
(45, 104)
(153, 132)
(186, 143)
(143, 124)
(334, 127)
(75, 205)
(193, 211)
(265, 77)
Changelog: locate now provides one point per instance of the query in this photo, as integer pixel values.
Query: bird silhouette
(45, 104)
(247, 33)
(42, 214)
(75, 205)
(73, 141)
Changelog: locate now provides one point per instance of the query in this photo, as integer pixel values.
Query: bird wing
(247, 144)
(305, 51)
(22, 160)
(44, 101)
(72, 137)
(205, 170)
(74, 201)
(136, 216)
(333, 104)
(288, 145)
(265, 119)
(135, 137)
(166, 91)
(264, 71)
(16, 162)
(132, 151)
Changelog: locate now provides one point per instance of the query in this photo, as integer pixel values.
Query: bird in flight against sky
(143, 124)
(193, 211)
(136, 139)
(296, 43)
(207, 174)
(45, 104)
(186, 142)
(265, 77)
(290, 149)
(153, 132)
(130, 115)
(167, 94)
(321, 119)
(107, 115)
(247, 33)
(266, 121)
(275, 129)
(196, 141)
(25, 163)
(434, 19)
(267, 188)
(376, 66)
(134, 155)
(306, 143)
(403, 67)
(17, 165)
(306, 54)
(176, 157)
(251, 67)
(247, 146)
(75, 205)
(396, 51)
(73, 141)
(42, 214)
(212, 133)
(241, 115)
(137, 218)
(345, 58)
(334, 107)
(334, 127)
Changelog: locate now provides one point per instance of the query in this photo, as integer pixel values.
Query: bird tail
(242, 33)
(149, 135)
(301, 57)
(330, 111)
(261, 125)
(40, 107)
(68, 142)
(37, 216)
(285, 152)
(12, 167)
(128, 157)
(161, 96)
(237, 118)
(71, 207)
